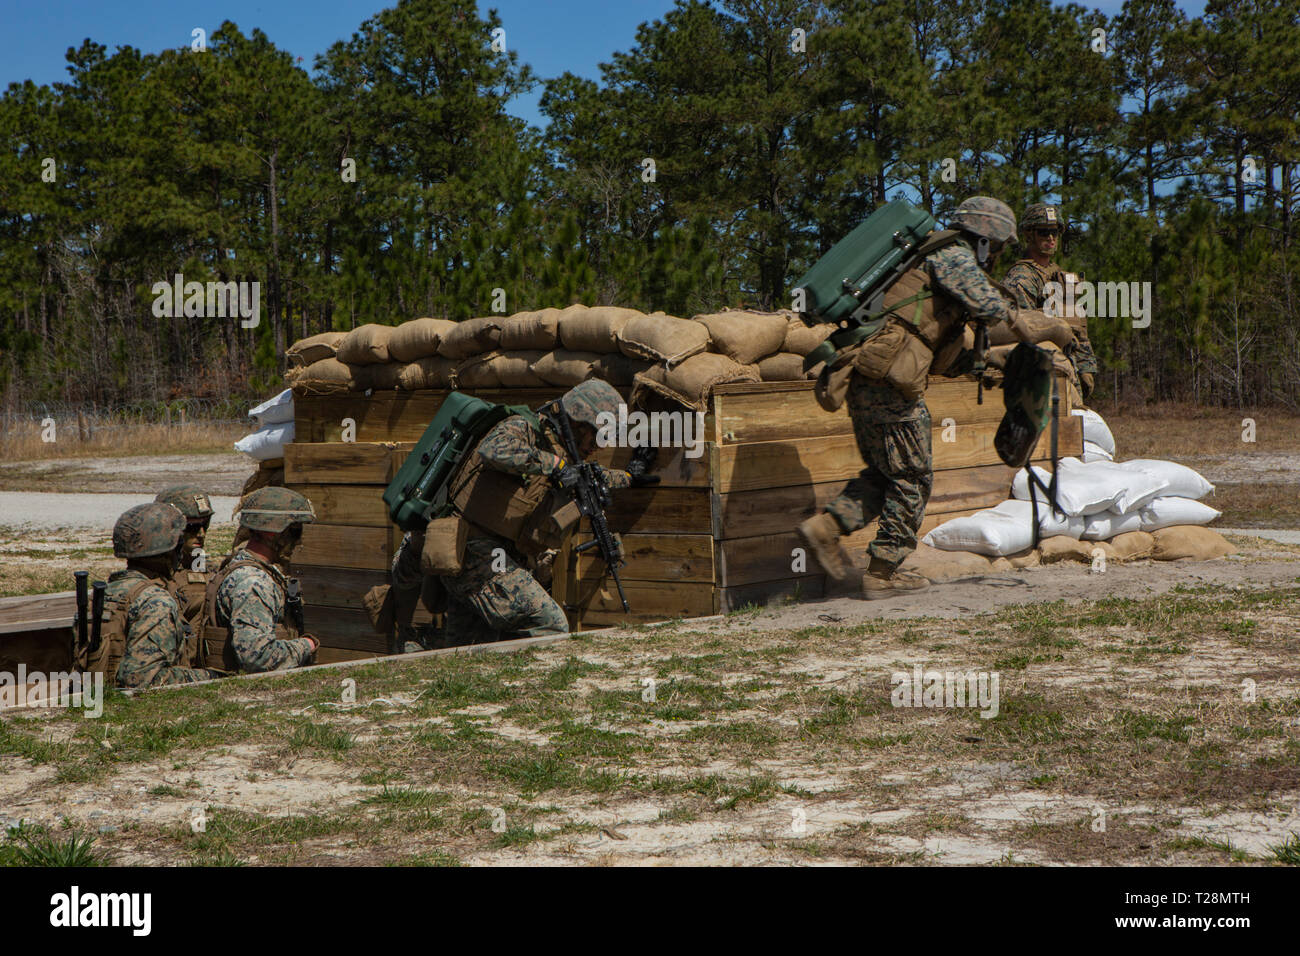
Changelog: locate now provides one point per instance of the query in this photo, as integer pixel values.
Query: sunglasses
(1043, 233)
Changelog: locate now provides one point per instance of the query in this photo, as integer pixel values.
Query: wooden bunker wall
(717, 532)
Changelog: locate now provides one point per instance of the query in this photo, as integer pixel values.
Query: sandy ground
(222, 474)
(47, 510)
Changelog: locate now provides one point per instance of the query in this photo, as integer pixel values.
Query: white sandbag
(1094, 452)
(1051, 523)
(1183, 482)
(1095, 429)
(998, 531)
(1108, 524)
(266, 443)
(1092, 487)
(1168, 511)
(273, 411)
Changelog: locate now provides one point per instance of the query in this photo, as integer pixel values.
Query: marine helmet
(274, 510)
(1042, 215)
(987, 217)
(190, 500)
(586, 400)
(147, 530)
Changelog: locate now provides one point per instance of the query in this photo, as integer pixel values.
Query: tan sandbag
(691, 382)
(1061, 547)
(432, 371)
(618, 369)
(939, 565)
(471, 337)
(800, 339)
(384, 377)
(476, 372)
(1189, 541)
(564, 367)
(380, 607)
(746, 337)
(662, 338)
(1131, 546)
(596, 329)
(314, 348)
(417, 338)
(531, 330)
(1029, 558)
(782, 367)
(1040, 327)
(366, 345)
(514, 368)
(264, 477)
(323, 377)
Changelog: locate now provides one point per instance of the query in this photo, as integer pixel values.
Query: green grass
(1288, 851)
(36, 846)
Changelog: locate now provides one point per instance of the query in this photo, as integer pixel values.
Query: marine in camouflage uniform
(189, 583)
(249, 603)
(150, 537)
(495, 596)
(893, 431)
(1027, 280)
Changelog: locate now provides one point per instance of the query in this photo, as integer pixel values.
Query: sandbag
(432, 371)
(384, 377)
(1062, 548)
(1169, 511)
(662, 338)
(937, 565)
(273, 411)
(314, 348)
(514, 369)
(617, 368)
(1131, 546)
(418, 338)
(1023, 559)
(1003, 530)
(1040, 327)
(366, 345)
(1094, 452)
(1107, 524)
(531, 330)
(1189, 541)
(327, 375)
(584, 329)
(1183, 482)
(564, 367)
(476, 372)
(471, 337)
(800, 339)
(782, 367)
(1093, 487)
(693, 380)
(1095, 429)
(266, 442)
(746, 337)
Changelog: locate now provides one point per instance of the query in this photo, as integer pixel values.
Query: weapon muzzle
(96, 613)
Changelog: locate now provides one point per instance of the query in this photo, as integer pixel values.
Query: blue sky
(550, 35)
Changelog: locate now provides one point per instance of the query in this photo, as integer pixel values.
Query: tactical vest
(190, 589)
(107, 657)
(215, 647)
(496, 501)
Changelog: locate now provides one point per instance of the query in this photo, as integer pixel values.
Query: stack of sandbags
(314, 348)
(1098, 442)
(691, 382)
(273, 428)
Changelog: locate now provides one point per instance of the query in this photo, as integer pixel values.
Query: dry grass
(1176, 431)
(1257, 505)
(23, 441)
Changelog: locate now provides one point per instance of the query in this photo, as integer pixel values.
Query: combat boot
(883, 580)
(821, 533)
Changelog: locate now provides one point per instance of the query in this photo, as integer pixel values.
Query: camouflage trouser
(894, 439)
(484, 604)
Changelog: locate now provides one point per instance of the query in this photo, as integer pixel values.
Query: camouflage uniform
(155, 642)
(250, 605)
(187, 584)
(893, 433)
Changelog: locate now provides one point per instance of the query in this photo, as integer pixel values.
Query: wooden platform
(716, 533)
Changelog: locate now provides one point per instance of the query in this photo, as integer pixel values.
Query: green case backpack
(418, 492)
(848, 277)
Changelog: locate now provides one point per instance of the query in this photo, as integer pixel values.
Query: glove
(315, 643)
(640, 481)
(619, 556)
(566, 477)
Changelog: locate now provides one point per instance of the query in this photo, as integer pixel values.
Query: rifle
(97, 613)
(293, 605)
(79, 636)
(591, 494)
(981, 351)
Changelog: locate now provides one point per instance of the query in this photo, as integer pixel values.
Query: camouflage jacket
(250, 605)
(513, 446)
(155, 635)
(1026, 280)
(957, 272)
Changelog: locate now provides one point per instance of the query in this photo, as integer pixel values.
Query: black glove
(643, 459)
(640, 481)
(566, 477)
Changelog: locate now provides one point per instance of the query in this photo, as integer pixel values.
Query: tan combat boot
(882, 580)
(821, 533)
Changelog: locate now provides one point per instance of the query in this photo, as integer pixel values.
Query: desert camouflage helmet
(190, 500)
(987, 217)
(147, 530)
(1042, 215)
(586, 400)
(275, 509)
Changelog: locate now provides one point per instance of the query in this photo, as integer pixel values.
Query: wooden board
(343, 628)
(741, 514)
(337, 587)
(361, 505)
(345, 546)
(342, 463)
(674, 468)
(34, 612)
(598, 606)
(770, 592)
(652, 557)
(659, 511)
(805, 461)
(332, 655)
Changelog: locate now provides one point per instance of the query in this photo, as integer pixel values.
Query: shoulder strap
(937, 240)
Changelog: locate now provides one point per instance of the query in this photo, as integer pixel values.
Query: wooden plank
(650, 557)
(337, 587)
(747, 415)
(332, 655)
(674, 468)
(803, 461)
(659, 511)
(766, 593)
(598, 603)
(772, 557)
(342, 463)
(343, 628)
(346, 546)
(741, 514)
(361, 505)
(35, 612)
